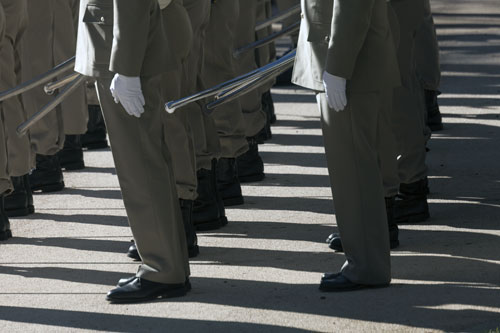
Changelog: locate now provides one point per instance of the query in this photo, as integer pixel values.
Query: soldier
(428, 71)
(208, 208)
(5, 183)
(178, 135)
(51, 36)
(219, 66)
(20, 159)
(250, 164)
(127, 51)
(350, 60)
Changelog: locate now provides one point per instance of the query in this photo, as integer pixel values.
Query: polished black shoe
(329, 276)
(434, 119)
(268, 107)
(250, 164)
(125, 281)
(339, 283)
(206, 213)
(133, 253)
(5, 232)
(410, 205)
(95, 137)
(71, 156)
(228, 183)
(20, 201)
(48, 176)
(187, 219)
(141, 290)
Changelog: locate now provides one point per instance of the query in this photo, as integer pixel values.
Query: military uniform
(355, 44)
(127, 37)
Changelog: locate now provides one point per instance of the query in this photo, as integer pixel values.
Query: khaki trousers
(251, 103)
(144, 169)
(205, 136)
(219, 66)
(409, 108)
(427, 51)
(351, 143)
(20, 159)
(178, 133)
(51, 36)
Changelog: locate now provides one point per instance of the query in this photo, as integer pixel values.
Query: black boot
(265, 133)
(206, 214)
(393, 226)
(133, 253)
(267, 100)
(411, 203)
(47, 177)
(95, 138)
(191, 238)
(19, 202)
(250, 164)
(29, 192)
(228, 183)
(5, 232)
(218, 196)
(71, 156)
(335, 243)
(434, 119)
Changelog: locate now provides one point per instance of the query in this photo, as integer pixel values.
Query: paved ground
(261, 272)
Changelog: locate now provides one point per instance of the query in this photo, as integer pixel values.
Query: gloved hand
(127, 91)
(335, 91)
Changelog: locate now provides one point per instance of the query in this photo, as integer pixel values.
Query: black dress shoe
(228, 183)
(71, 156)
(339, 283)
(141, 290)
(133, 253)
(5, 232)
(336, 243)
(48, 176)
(250, 164)
(95, 137)
(218, 196)
(20, 201)
(125, 281)
(329, 276)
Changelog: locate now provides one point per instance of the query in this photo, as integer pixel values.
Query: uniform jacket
(347, 38)
(122, 36)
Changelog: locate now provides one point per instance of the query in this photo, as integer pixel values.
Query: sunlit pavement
(261, 272)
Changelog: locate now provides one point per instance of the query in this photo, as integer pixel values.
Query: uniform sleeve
(130, 35)
(350, 24)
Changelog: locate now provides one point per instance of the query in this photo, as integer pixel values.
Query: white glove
(335, 91)
(127, 91)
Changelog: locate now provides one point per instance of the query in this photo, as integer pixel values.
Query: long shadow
(316, 160)
(97, 245)
(106, 322)
(110, 220)
(295, 180)
(314, 205)
(95, 193)
(111, 171)
(300, 124)
(294, 98)
(298, 140)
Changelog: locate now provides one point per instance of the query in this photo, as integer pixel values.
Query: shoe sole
(170, 294)
(252, 178)
(235, 201)
(413, 218)
(48, 188)
(353, 288)
(4, 235)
